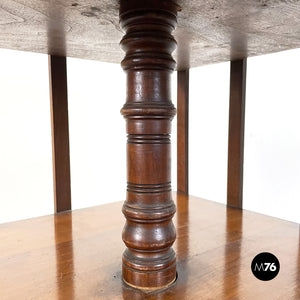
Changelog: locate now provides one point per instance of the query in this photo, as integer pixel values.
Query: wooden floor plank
(77, 255)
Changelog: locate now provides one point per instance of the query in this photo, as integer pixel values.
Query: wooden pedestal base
(155, 279)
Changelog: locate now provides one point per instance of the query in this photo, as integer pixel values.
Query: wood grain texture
(208, 31)
(236, 133)
(183, 131)
(76, 255)
(60, 133)
(149, 261)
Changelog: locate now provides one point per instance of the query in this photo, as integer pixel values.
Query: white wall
(272, 139)
(209, 105)
(26, 188)
(272, 135)
(97, 132)
(174, 134)
(98, 138)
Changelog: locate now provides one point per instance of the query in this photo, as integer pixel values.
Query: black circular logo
(265, 266)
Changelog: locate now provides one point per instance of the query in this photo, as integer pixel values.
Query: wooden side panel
(183, 131)
(60, 133)
(236, 133)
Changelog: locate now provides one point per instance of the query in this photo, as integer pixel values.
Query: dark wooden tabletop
(208, 31)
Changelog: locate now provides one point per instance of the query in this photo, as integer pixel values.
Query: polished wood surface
(208, 31)
(149, 261)
(76, 255)
(183, 131)
(235, 172)
(60, 133)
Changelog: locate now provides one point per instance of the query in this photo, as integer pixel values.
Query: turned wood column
(149, 261)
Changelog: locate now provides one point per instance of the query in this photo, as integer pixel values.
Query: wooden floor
(78, 255)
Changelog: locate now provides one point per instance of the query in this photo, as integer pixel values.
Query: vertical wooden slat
(183, 131)
(236, 133)
(60, 133)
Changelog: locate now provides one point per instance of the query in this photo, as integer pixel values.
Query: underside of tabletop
(208, 31)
